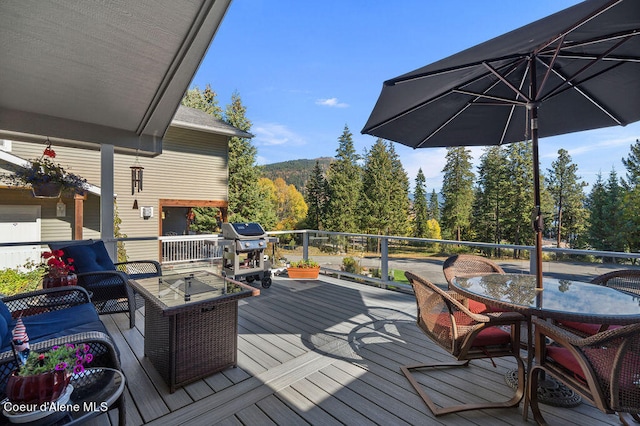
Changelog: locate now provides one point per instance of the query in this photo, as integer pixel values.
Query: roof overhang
(86, 74)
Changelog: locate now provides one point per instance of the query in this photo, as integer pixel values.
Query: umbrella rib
(410, 78)
(570, 85)
(503, 102)
(506, 82)
(569, 80)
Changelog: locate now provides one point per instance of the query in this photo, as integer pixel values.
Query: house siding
(192, 167)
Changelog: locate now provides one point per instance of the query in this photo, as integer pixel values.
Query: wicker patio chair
(468, 264)
(625, 279)
(107, 281)
(465, 335)
(603, 368)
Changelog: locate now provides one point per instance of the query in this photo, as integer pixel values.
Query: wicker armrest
(136, 267)
(51, 299)
(562, 335)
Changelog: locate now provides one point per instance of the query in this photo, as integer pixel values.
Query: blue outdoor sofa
(53, 317)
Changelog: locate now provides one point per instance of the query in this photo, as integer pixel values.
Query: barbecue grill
(243, 256)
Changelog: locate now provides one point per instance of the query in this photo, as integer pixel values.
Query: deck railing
(193, 248)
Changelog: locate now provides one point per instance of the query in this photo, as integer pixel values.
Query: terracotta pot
(50, 282)
(304, 273)
(45, 387)
(46, 190)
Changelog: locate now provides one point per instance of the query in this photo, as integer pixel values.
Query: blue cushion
(90, 258)
(5, 334)
(61, 246)
(5, 312)
(53, 324)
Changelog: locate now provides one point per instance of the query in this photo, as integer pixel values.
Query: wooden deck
(321, 352)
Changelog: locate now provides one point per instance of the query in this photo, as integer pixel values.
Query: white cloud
(331, 102)
(275, 134)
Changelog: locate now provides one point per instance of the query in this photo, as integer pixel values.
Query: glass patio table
(558, 300)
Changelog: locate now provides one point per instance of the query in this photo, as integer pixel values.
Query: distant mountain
(294, 172)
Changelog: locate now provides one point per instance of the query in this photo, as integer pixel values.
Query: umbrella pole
(538, 223)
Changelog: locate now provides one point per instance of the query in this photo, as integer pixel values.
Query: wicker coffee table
(191, 324)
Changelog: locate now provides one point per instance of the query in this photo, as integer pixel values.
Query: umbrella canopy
(575, 70)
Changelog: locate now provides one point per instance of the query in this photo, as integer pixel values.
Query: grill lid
(242, 230)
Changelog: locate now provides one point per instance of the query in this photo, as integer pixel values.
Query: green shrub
(350, 265)
(304, 264)
(13, 281)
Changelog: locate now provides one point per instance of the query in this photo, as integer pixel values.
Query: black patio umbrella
(577, 69)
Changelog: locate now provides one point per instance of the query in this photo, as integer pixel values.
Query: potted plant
(58, 271)
(45, 376)
(303, 269)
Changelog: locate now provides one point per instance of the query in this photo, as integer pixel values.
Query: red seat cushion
(588, 329)
(583, 327)
(476, 307)
(491, 336)
(563, 357)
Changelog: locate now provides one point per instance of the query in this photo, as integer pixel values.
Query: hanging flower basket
(46, 189)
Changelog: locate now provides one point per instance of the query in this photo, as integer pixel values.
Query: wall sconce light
(61, 208)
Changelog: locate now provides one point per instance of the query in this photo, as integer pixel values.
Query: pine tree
(566, 189)
(457, 191)
(631, 198)
(614, 225)
(245, 202)
(345, 186)
(420, 208)
(517, 215)
(316, 196)
(595, 203)
(632, 164)
(434, 206)
(206, 101)
(376, 205)
(399, 224)
(491, 200)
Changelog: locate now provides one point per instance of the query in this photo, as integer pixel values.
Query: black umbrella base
(550, 391)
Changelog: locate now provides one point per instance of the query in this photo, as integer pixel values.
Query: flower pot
(49, 282)
(46, 190)
(304, 273)
(36, 389)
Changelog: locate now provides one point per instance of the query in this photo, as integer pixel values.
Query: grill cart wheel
(266, 282)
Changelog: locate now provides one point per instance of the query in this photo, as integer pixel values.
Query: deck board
(322, 352)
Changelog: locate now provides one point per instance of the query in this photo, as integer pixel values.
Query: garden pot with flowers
(45, 376)
(46, 178)
(59, 272)
(304, 269)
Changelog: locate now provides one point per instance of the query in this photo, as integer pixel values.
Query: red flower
(56, 265)
(48, 152)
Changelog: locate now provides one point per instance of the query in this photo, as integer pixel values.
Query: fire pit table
(191, 324)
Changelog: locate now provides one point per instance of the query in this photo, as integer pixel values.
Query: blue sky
(305, 69)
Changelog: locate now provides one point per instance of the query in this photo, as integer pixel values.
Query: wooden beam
(78, 225)
(193, 203)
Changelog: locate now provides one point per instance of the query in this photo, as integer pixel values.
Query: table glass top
(561, 296)
(180, 289)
